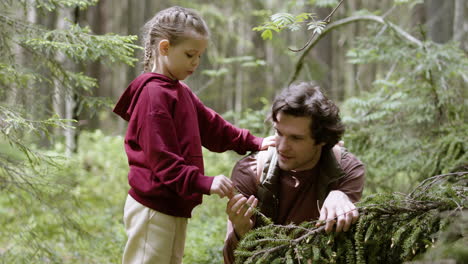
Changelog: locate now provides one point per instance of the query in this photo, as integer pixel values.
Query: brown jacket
(300, 193)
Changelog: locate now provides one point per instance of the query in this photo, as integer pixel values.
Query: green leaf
(267, 35)
(282, 19)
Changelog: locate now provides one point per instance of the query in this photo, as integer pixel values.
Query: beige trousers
(153, 237)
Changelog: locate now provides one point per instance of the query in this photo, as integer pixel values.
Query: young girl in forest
(168, 125)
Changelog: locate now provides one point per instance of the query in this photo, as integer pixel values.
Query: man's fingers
(355, 215)
(234, 200)
(338, 209)
(246, 206)
(331, 216)
(323, 216)
(252, 202)
(329, 225)
(348, 219)
(234, 204)
(341, 221)
(240, 206)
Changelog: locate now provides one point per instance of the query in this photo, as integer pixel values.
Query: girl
(168, 125)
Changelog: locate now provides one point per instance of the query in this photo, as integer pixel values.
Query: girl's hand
(268, 142)
(222, 186)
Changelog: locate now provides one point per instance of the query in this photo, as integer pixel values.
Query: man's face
(296, 148)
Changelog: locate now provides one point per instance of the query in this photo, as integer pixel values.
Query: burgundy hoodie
(168, 125)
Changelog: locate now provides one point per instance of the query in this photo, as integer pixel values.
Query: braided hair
(174, 24)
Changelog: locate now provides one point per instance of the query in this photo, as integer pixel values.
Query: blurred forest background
(397, 69)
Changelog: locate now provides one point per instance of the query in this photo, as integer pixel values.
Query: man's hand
(240, 211)
(222, 186)
(268, 142)
(338, 209)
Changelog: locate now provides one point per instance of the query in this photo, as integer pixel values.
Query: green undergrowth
(72, 211)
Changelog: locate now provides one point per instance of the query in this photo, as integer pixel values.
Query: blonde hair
(174, 24)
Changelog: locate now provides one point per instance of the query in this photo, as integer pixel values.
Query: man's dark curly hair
(305, 99)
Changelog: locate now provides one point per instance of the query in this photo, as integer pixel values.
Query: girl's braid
(172, 24)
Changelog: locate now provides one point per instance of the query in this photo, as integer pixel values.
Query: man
(307, 177)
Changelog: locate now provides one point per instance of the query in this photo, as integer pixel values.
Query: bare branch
(353, 19)
(326, 20)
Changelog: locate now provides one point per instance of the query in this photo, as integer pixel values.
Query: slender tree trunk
(42, 105)
(229, 80)
(65, 98)
(348, 72)
(440, 20)
(271, 66)
(460, 23)
(95, 16)
(324, 55)
(19, 95)
(239, 76)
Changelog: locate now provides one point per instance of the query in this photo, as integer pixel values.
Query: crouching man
(306, 177)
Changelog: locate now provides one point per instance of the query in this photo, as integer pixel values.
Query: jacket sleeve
(352, 184)
(219, 135)
(230, 244)
(163, 153)
(244, 179)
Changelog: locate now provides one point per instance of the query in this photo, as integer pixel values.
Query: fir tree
(36, 61)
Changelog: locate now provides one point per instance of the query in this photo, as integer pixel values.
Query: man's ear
(163, 47)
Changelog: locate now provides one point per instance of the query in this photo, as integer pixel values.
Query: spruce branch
(395, 227)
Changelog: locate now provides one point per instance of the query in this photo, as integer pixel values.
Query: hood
(128, 100)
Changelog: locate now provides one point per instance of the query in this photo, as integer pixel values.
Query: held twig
(256, 211)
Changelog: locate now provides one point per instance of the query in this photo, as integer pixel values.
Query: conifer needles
(392, 228)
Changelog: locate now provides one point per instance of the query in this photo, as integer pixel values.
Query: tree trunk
(95, 16)
(239, 76)
(229, 80)
(42, 101)
(324, 56)
(65, 98)
(460, 24)
(440, 20)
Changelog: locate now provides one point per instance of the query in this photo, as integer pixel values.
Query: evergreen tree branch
(394, 227)
(51, 5)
